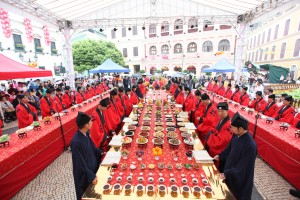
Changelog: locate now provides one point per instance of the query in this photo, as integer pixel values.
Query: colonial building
(275, 39)
(174, 45)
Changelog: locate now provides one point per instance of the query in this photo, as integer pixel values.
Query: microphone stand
(257, 116)
(61, 128)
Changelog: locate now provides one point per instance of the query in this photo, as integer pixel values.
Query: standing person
(228, 92)
(219, 137)
(85, 156)
(25, 112)
(259, 104)
(47, 104)
(286, 112)
(244, 98)
(271, 107)
(237, 161)
(134, 99)
(209, 119)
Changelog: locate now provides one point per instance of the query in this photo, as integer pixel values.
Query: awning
(10, 69)
(109, 66)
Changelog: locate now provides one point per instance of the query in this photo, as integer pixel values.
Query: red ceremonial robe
(228, 93)
(221, 91)
(285, 114)
(99, 131)
(189, 103)
(208, 121)
(180, 98)
(244, 99)
(270, 109)
(142, 89)
(296, 120)
(198, 112)
(68, 99)
(87, 94)
(219, 137)
(120, 106)
(25, 115)
(215, 88)
(58, 103)
(128, 105)
(114, 117)
(210, 86)
(134, 99)
(79, 98)
(236, 96)
(173, 88)
(46, 106)
(258, 104)
(1, 123)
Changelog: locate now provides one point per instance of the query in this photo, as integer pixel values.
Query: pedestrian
(237, 161)
(85, 155)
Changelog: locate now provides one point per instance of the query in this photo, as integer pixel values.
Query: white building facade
(44, 51)
(174, 47)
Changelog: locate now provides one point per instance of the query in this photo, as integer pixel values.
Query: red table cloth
(279, 148)
(166, 158)
(25, 158)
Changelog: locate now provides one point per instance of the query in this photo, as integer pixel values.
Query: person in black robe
(85, 155)
(238, 159)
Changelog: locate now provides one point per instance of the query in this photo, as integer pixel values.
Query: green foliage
(142, 71)
(88, 54)
(208, 73)
(186, 71)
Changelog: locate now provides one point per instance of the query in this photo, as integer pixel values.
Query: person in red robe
(134, 99)
(87, 92)
(79, 96)
(259, 104)
(215, 87)
(189, 103)
(101, 130)
(209, 119)
(68, 98)
(236, 94)
(180, 96)
(228, 92)
(210, 86)
(142, 87)
(198, 110)
(221, 90)
(244, 98)
(26, 113)
(58, 101)
(47, 104)
(174, 86)
(120, 102)
(219, 137)
(271, 107)
(115, 119)
(97, 89)
(286, 112)
(127, 102)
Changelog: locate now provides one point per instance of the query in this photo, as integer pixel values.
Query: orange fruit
(155, 153)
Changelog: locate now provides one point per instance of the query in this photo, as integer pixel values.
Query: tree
(88, 54)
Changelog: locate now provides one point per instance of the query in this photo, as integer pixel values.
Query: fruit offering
(4, 138)
(157, 151)
(36, 123)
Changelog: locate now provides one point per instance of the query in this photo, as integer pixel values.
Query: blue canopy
(222, 66)
(108, 67)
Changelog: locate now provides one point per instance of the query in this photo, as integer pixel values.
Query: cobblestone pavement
(56, 182)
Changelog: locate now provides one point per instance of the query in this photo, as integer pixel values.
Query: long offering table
(26, 157)
(279, 147)
(147, 177)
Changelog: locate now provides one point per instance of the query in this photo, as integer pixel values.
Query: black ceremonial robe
(237, 163)
(86, 160)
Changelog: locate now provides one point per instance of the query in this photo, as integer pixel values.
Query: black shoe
(295, 193)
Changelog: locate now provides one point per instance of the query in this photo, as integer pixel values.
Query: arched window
(164, 27)
(165, 49)
(207, 46)
(192, 47)
(152, 50)
(178, 48)
(224, 45)
(178, 26)
(152, 30)
(193, 25)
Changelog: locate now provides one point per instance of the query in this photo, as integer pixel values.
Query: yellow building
(276, 40)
